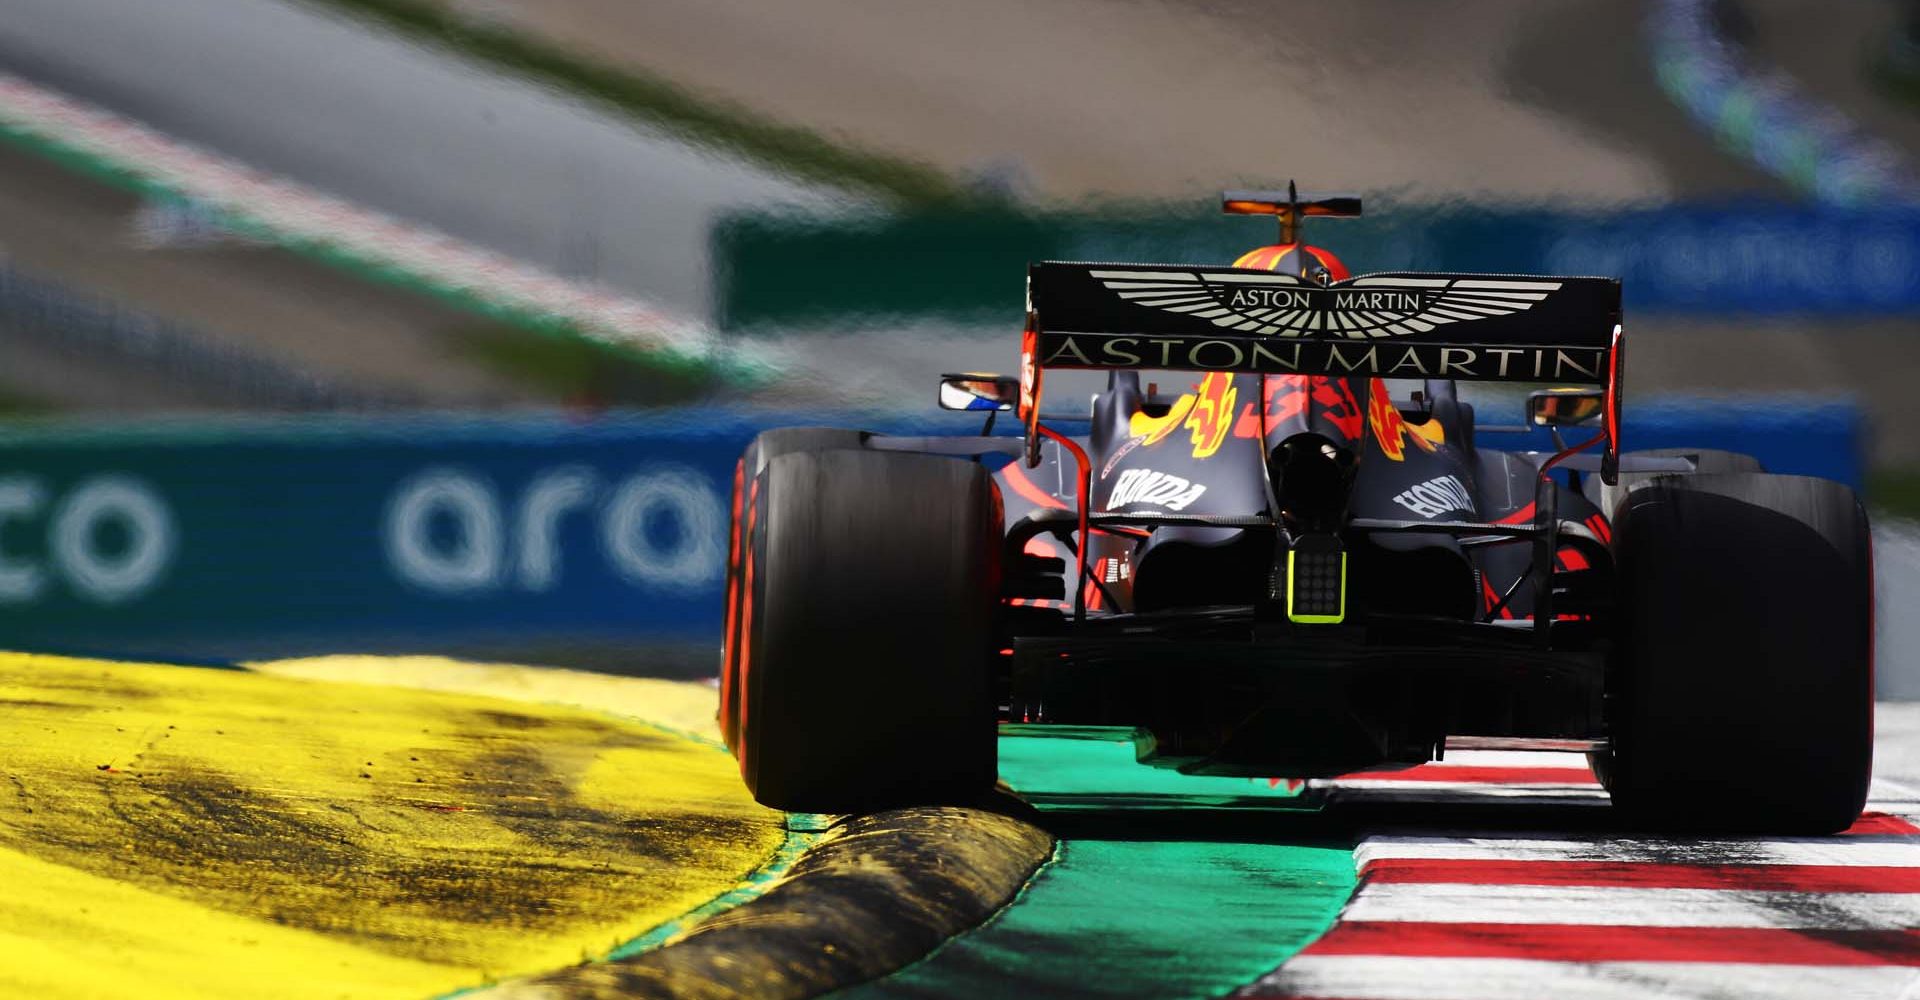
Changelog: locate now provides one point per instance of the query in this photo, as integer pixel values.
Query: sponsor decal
(1390, 429)
(109, 539)
(1282, 305)
(1211, 415)
(446, 531)
(1125, 449)
(1437, 496)
(1472, 362)
(1158, 488)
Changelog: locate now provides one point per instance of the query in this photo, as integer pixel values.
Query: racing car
(1289, 569)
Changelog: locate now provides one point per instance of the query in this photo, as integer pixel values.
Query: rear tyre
(1741, 692)
(759, 451)
(871, 585)
(1608, 497)
(1705, 460)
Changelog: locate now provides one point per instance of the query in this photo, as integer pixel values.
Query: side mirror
(975, 391)
(1565, 407)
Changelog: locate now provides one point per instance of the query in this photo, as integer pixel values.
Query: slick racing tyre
(871, 582)
(1607, 498)
(758, 452)
(1741, 692)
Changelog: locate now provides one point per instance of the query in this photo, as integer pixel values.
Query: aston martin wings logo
(1282, 305)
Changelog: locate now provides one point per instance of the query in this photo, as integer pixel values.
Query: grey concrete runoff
(82, 330)
(415, 132)
(71, 230)
(1896, 557)
(1552, 100)
(1896, 746)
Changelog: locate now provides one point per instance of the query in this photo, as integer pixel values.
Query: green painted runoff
(1154, 890)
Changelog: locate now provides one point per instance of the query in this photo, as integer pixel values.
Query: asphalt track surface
(504, 165)
(1176, 98)
(415, 132)
(254, 300)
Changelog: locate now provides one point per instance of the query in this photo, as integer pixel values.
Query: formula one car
(1285, 571)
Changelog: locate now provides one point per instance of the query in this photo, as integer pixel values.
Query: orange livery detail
(1391, 430)
(1207, 412)
(1150, 430)
(1212, 413)
(1293, 258)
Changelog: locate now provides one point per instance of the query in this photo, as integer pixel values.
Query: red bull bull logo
(1288, 397)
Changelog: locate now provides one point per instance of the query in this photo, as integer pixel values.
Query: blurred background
(333, 325)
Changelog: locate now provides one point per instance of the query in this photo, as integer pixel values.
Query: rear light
(1317, 580)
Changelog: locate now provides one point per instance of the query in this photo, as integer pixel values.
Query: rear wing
(1473, 327)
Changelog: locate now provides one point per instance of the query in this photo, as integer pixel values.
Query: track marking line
(1646, 875)
(1588, 943)
(1395, 978)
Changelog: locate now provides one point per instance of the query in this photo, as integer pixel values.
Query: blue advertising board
(271, 537)
(299, 536)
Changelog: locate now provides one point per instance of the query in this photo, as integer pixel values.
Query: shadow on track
(1087, 785)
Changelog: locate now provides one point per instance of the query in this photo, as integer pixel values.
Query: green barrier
(777, 271)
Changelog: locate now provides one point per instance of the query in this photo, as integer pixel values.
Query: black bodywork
(1278, 569)
(1182, 629)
